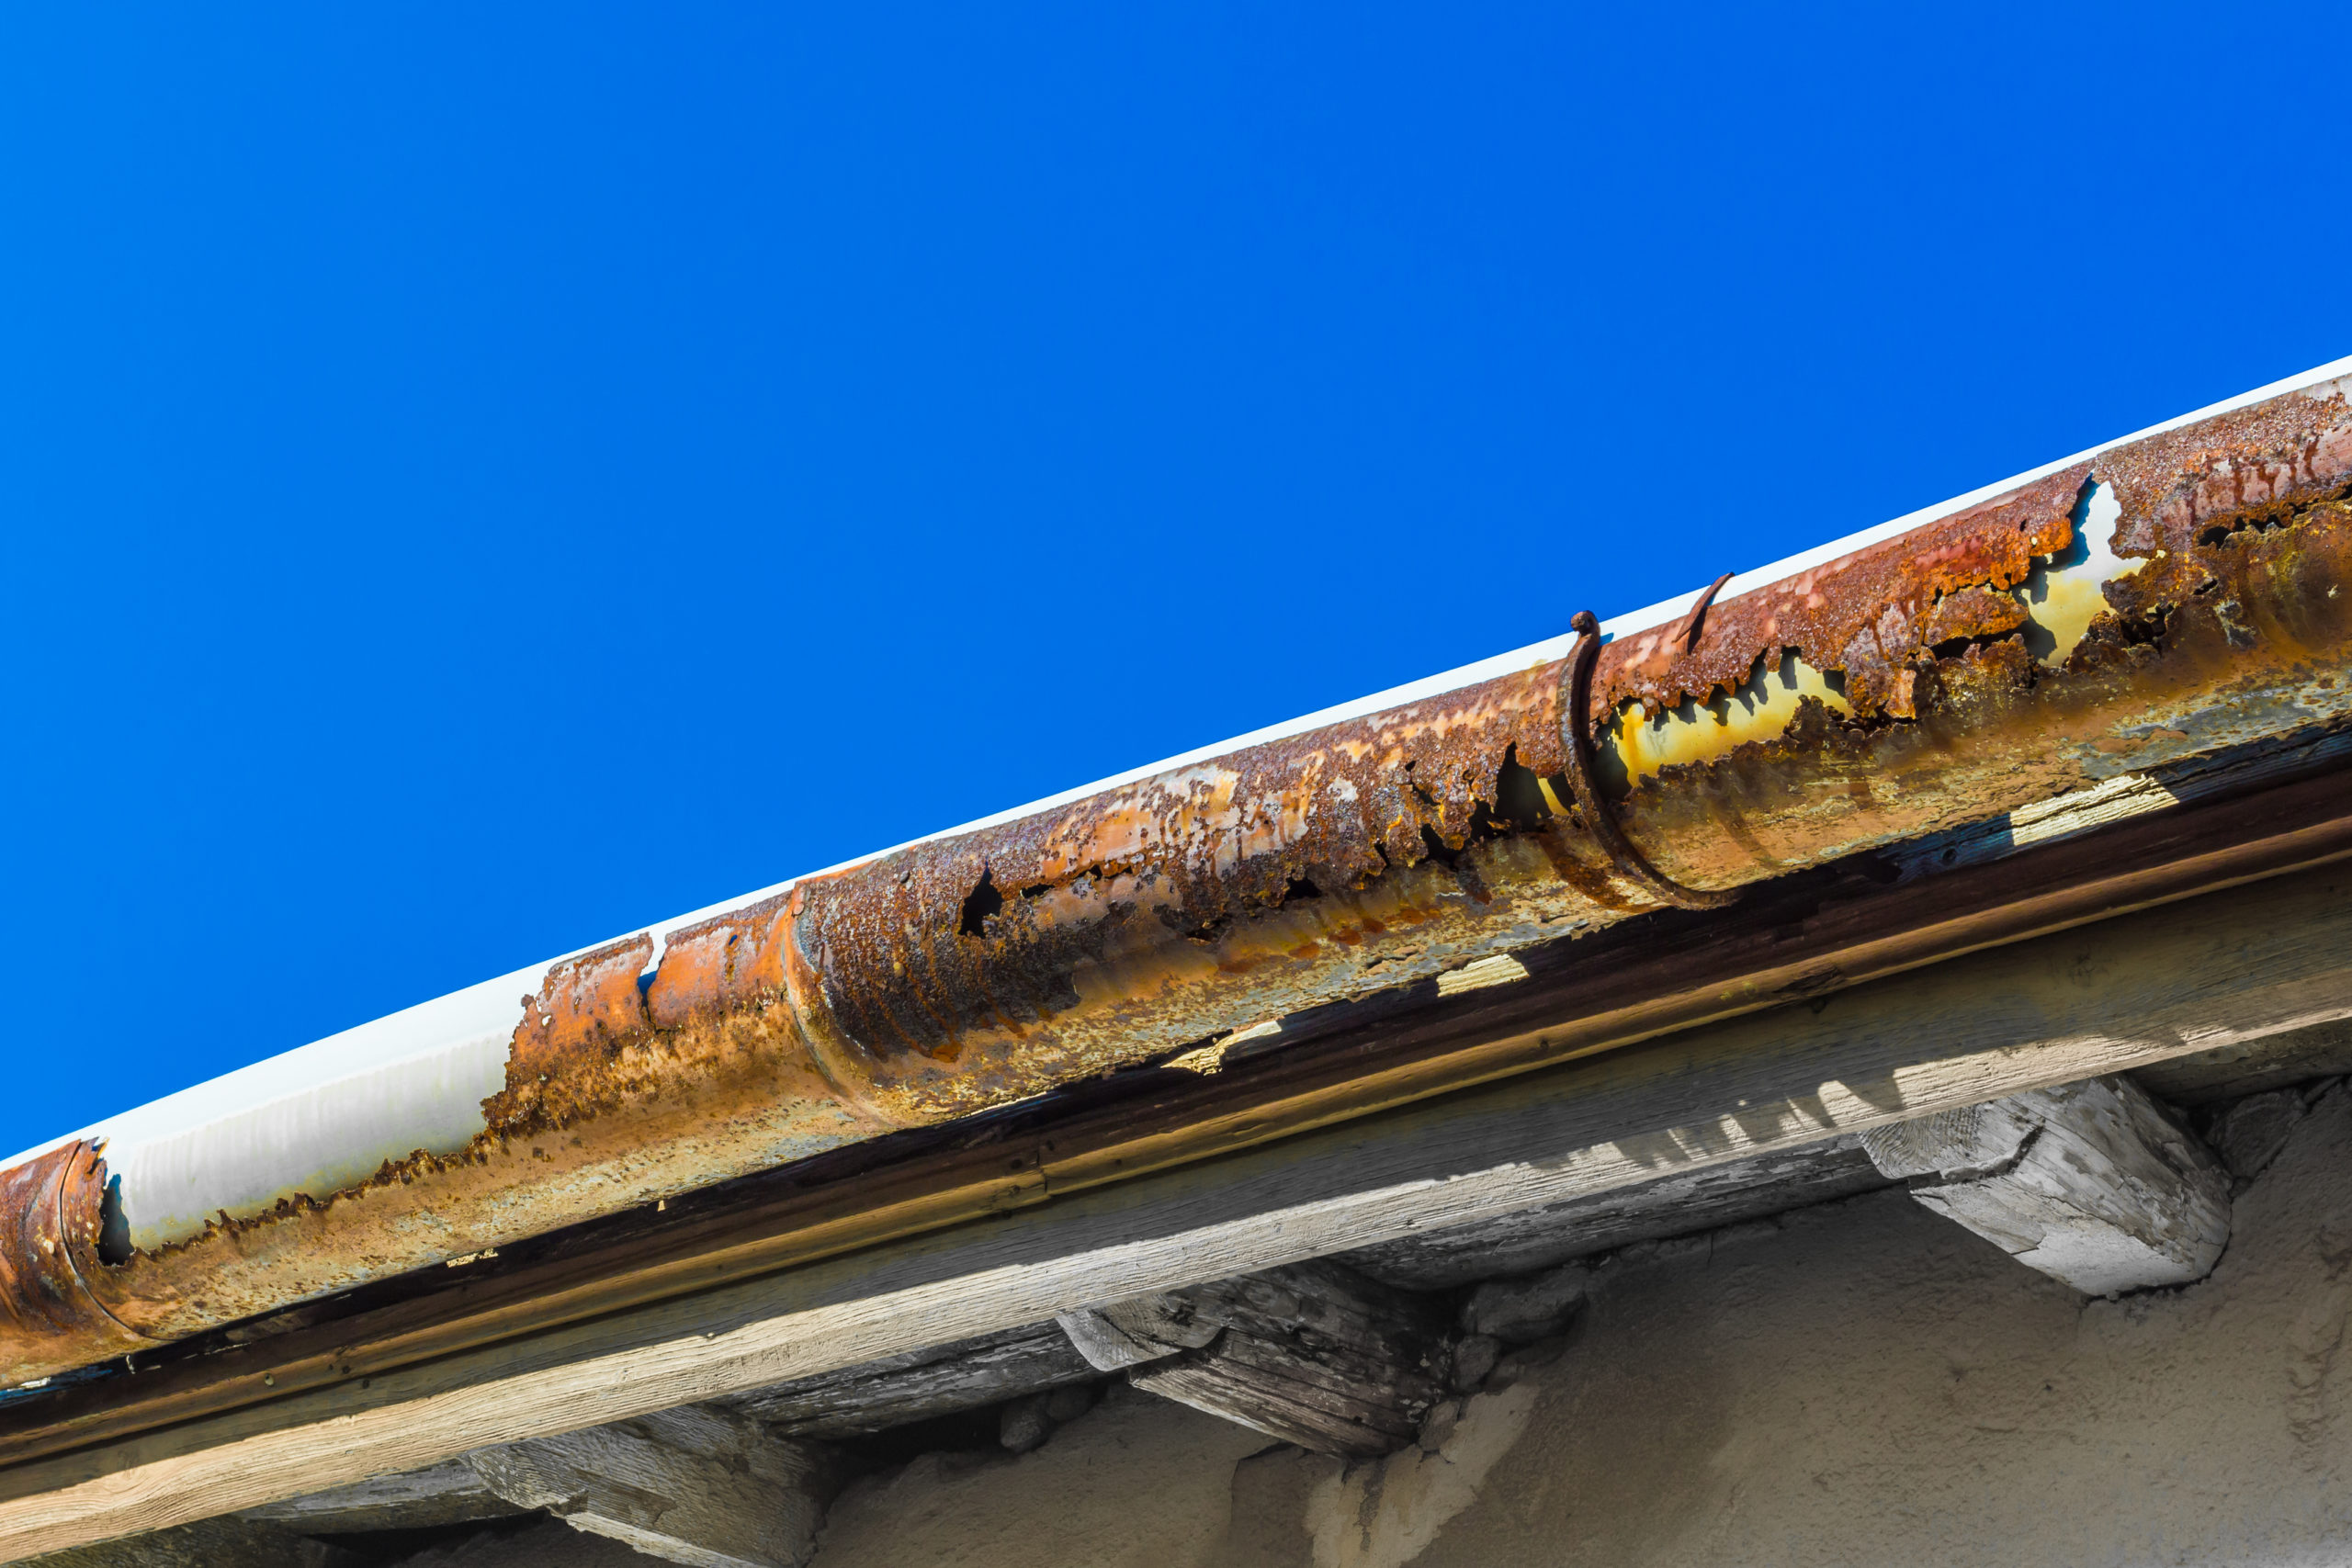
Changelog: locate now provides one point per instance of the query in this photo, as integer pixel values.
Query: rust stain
(1381, 851)
(575, 1032)
(1862, 615)
(2237, 469)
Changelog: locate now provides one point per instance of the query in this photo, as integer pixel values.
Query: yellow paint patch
(1760, 710)
(2063, 598)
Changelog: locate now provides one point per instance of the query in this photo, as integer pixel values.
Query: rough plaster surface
(1861, 1383)
(1135, 1482)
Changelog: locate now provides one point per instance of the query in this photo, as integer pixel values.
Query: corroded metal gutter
(2166, 596)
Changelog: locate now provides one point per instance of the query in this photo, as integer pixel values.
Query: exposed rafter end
(2091, 1183)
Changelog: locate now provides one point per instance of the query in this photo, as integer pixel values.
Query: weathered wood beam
(691, 1485)
(1312, 1353)
(1804, 935)
(209, 1543)
(2097, 999)
(2091, 1183)
(448, 1494)
(938, 1379)
(2231, 1072)
(708, 1485)
(1680, 1203)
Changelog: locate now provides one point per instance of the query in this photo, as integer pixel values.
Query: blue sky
(478, 480)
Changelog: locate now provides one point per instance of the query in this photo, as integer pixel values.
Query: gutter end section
(53, 1225)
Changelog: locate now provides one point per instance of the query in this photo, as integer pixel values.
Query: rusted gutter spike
(1599, 816)
(1686, 636)
(1324, 863)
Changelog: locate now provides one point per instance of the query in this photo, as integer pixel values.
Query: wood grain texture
(447, 1493)
(697, 1486)
(1531, 1240)
(2099, 999)
(2091, 1183)
(938, 1379)
(1312, 1354)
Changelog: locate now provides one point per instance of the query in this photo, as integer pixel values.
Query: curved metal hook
(1576, 728)
(1687, 633)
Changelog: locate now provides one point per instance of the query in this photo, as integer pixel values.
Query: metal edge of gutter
(1175, 904)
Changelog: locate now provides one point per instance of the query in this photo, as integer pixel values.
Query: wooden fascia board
(2103, 997)
(1819, 933)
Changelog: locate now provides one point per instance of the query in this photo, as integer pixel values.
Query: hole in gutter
(114, 1225)
(1555, 790)
(979, 904)
(1518, 793)
(2060, 595)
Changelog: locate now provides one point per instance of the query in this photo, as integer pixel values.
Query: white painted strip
(317, 1119)
(1501, 969)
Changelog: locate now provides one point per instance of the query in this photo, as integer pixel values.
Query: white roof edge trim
(429, 1032)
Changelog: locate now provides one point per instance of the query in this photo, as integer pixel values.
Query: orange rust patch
(587, 1008)
(49, 1213)
(729, 961)
(1862, 615)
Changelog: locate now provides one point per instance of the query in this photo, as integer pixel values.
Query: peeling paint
(1759, 708)
(2064, 596)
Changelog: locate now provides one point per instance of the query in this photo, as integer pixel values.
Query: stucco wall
(1861, 1383)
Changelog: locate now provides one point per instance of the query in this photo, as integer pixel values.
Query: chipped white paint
(2118, 799)
(2064, 597)
(1210, 1059)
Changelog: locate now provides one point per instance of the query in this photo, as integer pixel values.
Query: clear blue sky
(480, 478)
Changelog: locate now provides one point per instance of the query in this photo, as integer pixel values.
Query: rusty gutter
(2162, 598)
